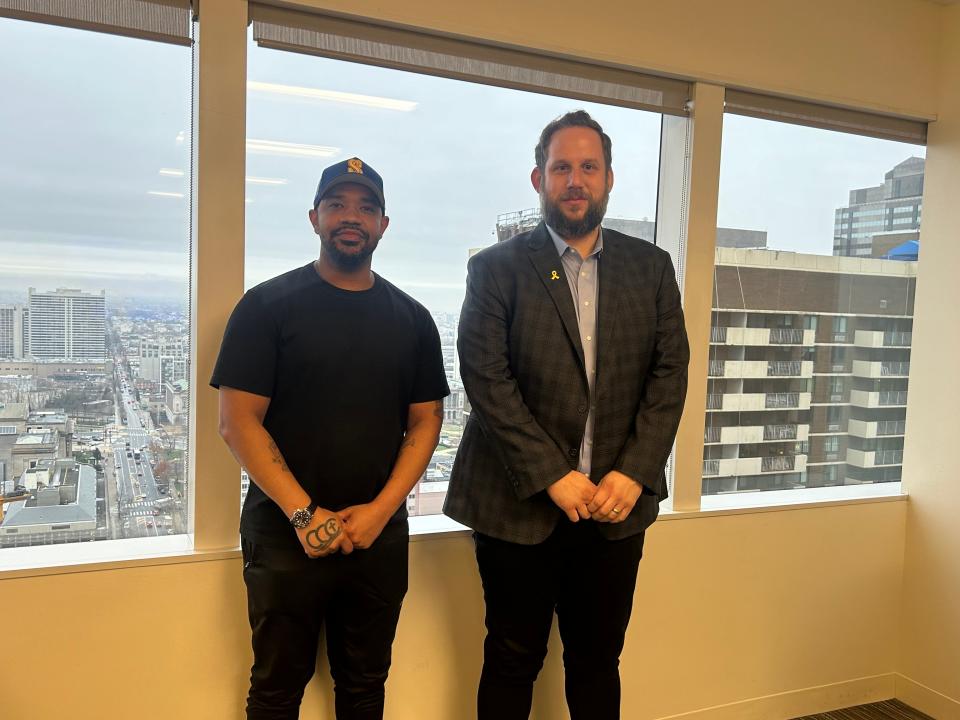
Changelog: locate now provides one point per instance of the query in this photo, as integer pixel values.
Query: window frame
(217, 284)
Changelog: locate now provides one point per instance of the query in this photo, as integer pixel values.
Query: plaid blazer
(522, 366)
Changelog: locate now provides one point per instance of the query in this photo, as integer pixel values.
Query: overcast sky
(94, 134)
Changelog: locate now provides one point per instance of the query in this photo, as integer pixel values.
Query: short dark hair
(577, 118)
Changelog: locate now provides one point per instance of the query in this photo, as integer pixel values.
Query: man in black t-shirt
(331, 388)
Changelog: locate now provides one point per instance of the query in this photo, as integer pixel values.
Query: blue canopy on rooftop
(910, 250)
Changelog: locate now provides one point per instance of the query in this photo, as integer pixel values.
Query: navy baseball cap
(353, 170)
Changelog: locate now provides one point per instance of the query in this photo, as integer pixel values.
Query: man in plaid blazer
(574, 356)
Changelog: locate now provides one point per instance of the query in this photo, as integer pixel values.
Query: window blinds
(348, 39)
(161, 20)
(801, 112)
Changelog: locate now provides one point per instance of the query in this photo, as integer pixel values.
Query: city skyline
(108, 197)
(98, 445)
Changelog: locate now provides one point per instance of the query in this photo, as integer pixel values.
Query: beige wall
(878, 54)
(766, 615)
(728, 609)
(930, 654)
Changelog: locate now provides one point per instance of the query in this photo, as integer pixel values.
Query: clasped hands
(610, 501)
(357, 526)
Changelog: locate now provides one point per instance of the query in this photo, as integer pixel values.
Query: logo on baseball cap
(353, 170)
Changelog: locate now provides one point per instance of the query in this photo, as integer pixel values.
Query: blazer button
(582, 409)
(574, 452)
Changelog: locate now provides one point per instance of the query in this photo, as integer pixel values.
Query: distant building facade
(34, 447)
(162, 360)
(808, 373)
(67, 324)
(14, 340)
(176, 402)
(883, 217)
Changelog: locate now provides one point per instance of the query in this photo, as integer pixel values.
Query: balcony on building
(876, 428)
(728, 467)
(745, 402)
(883, 398)
(881, 369)
(761, 368)
(874, 458)
(744, 336)
(751, 434)
(882, 338)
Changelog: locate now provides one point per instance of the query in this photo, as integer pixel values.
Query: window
(94, 276)
(840, 329)
(797, 185)
(838, 358)
(834, 418)
(455, 157)
(836, 387)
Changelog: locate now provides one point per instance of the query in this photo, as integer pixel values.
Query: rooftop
(48, 417)
(788, 260)
(36, 437)
(13, 411)
(77, 487)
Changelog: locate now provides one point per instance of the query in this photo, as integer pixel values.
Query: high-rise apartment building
(809, 358)
(881, 218)
(67, 324)
(13, 331)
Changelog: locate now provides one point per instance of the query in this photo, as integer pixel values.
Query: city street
(144, 510)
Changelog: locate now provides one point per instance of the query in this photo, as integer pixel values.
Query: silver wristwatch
(302, 516)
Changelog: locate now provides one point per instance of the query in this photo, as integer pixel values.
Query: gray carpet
(886, 710)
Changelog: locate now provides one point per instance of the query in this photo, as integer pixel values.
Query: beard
(348, 261)
(567, 227)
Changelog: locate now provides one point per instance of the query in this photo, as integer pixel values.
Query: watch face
(301, 518)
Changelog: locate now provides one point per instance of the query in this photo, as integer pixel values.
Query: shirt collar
(562, 246)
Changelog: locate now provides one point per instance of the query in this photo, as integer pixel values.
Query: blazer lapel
(613, 283)
(550, 270)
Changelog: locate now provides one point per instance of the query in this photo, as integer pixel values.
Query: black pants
(355, 597)
(588, 581)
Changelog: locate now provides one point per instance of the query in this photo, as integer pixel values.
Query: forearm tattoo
(323, 535)
(277, 457)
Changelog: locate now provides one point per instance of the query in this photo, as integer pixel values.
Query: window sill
(145, 552)
(778, 500)
(428, 527)
(103, 555)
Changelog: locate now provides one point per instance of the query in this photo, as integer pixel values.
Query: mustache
(351, 228)
(575, 195)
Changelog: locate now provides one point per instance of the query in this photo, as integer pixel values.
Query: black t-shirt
(340, 368)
